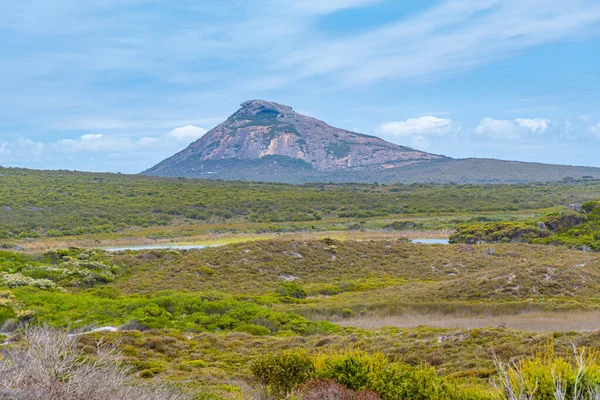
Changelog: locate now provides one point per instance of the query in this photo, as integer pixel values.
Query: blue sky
(118, 85)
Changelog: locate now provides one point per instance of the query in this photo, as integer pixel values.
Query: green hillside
(446, 170)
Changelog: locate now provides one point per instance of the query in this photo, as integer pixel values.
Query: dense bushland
(545, 376)
(56, 288)
(61, 203)
(578, 229)
(192, 312)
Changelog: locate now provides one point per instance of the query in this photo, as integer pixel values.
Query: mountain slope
(266, 141)
(261, 128)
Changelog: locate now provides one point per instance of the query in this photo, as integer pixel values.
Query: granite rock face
(262, 128)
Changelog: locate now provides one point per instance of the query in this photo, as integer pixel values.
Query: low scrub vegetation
(358, 374)
(269, 287)
(56, 269)
(239, 319)
(193, 312)
(576, 229)
(218, 365)
(365, 375)
(37, 204)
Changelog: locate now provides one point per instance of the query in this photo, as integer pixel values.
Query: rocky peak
(255, 107)
(263, 128)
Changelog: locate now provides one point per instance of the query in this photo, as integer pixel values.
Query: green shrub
(204, 270)
(18, 279)
(252, 329)
(398, 382)
(279, 374)
(293, 290)
(358, 370)
(196, 363)
(497, 232)
(590, 206)
(354, 369)
(401, 225)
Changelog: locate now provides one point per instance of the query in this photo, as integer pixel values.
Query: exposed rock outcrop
(262, 128)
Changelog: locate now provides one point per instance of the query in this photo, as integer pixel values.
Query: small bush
(252, 329)
(18, 279)
(205, 271)
(353, 370)
(48, 365)
(196, 363)
(279, 374)
(293, 290)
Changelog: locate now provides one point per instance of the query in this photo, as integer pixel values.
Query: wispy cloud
(417, 131)
(582, 126)
(130, 154)
(512, 129)
(133, 69)
(452, 36)
(278, 42)
(425, 125)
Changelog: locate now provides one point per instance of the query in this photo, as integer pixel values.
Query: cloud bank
(129, 154)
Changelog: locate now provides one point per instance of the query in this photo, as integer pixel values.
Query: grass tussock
(547, 376)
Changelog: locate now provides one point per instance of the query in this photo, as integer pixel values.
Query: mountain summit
(262, 128)
(266, 141)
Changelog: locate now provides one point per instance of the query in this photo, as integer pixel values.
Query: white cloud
(109, 152)
(535, 125)
(512, 129)
(426, 125)
(188, 133)
(95, 143)
(98, 143)
(497, 128)
(23, 148)
(90, 136)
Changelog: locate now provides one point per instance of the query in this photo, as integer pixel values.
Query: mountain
(267, 141)
(262, 128)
